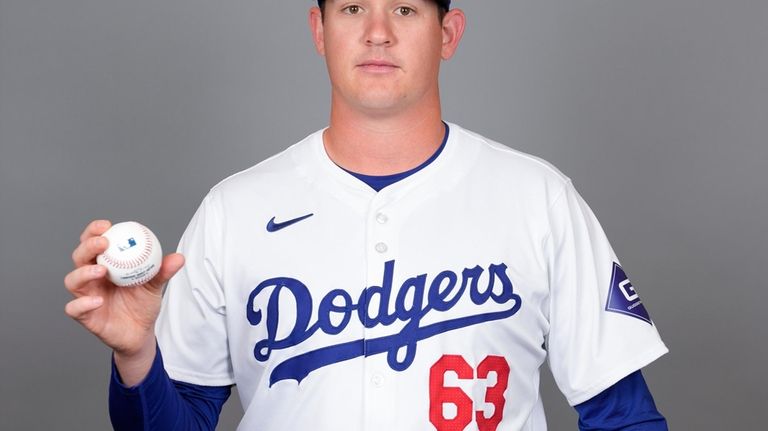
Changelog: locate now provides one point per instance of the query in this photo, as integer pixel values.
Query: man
(391, 272)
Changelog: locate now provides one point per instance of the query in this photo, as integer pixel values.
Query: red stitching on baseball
(137, 261)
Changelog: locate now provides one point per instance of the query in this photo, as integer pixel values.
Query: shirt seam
(544, 244)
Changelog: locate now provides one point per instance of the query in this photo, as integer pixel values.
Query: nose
(379, 30)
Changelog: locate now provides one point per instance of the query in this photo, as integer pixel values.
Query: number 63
(440, 394)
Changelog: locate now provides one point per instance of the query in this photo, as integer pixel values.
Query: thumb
(170, 265)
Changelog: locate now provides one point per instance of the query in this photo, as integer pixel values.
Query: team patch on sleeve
(622, 297)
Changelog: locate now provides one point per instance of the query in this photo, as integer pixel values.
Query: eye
(351, 10)
(405, 11)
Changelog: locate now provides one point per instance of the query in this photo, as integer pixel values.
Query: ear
(316, 26)
(453, 29)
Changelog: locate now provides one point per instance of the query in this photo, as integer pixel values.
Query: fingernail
(97, 269)
(97, 300)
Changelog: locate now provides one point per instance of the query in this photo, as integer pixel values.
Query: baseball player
(390, 272)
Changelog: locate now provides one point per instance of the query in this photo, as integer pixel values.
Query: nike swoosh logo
(274, 226)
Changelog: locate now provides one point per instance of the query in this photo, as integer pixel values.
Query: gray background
(657, 109)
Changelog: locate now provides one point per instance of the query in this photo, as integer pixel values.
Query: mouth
(377, 66)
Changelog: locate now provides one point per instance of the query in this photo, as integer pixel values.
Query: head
(384, 56)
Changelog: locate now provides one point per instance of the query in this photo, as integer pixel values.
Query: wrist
(133, 366)
(138, 346)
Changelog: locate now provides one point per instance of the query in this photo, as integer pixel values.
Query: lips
(377, 66)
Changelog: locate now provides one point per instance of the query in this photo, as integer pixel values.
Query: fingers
(91, 243)
(86, 273)
(170, 266)
(82, 275)
(79, 308)
(86, 252)
(95, 228)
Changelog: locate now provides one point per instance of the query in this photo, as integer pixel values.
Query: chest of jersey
(425, 306)
(388, 302)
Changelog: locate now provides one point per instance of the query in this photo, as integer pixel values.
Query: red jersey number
(439, 394)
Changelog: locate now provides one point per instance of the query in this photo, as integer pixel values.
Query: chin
(381, 101)
(381, 106)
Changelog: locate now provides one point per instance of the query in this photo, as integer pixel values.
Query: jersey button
(377, 380)
(382, 218)
(381, 247)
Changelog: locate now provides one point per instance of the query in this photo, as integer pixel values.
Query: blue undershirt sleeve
(625, 406)
(159, 403)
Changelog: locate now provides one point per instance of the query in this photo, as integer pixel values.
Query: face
(384, 55)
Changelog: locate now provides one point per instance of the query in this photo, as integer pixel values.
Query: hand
(123, 318)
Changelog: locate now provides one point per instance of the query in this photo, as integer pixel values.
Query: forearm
(625, 406)
(158, 403)
(133, 367)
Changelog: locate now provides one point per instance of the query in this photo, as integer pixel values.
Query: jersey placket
(380, 247)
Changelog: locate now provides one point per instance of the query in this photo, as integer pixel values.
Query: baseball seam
(135, 262)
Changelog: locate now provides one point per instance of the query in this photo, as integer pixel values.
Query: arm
(123, 318)
(593, 341)
(159, 403)
(627, 405)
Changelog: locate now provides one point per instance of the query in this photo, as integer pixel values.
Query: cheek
(339, 47)
(429, 59)
(335, 61)
(429, 49)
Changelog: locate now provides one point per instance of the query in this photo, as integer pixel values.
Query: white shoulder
(513, 167)
(273, 170)
(508, 155)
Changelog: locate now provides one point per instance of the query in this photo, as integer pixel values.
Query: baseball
(134, 254)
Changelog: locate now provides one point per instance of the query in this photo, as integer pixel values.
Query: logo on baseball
(134, 254)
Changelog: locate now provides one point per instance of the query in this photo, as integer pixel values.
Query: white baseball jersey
(429, 305)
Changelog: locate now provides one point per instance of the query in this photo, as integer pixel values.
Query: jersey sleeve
(599, 328)
(627, 405)
(158, 403)
(191, 328)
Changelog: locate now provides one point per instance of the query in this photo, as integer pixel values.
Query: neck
(383, 144)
